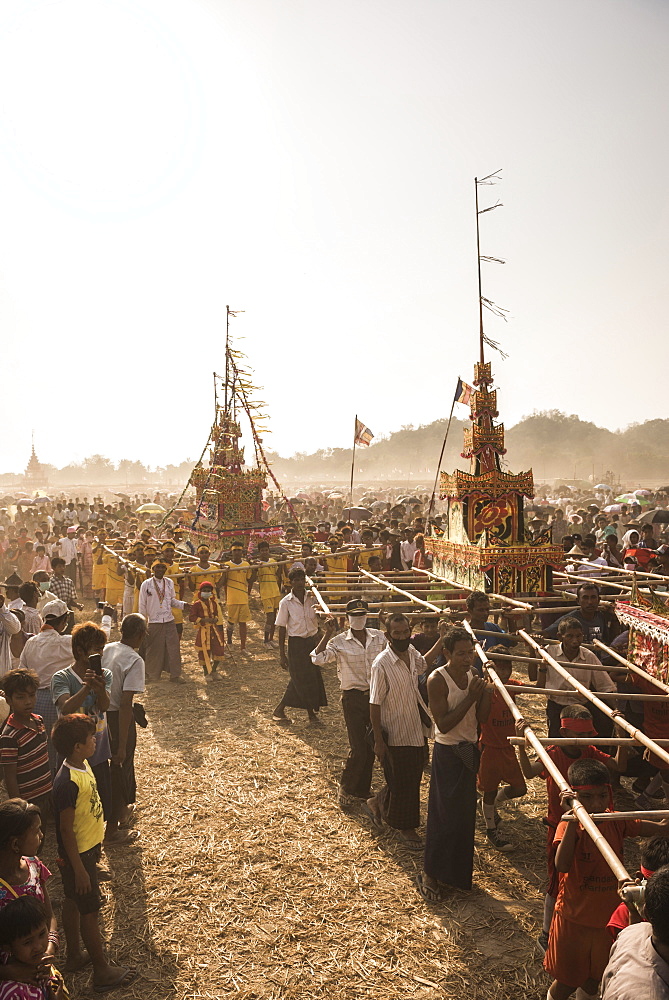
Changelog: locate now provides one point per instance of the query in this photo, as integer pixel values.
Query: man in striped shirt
(400, 719)
(23, 744)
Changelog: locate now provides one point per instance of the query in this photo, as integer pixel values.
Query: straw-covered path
(248, 880)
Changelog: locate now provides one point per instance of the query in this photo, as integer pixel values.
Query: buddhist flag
(363, 435)
(463, 392)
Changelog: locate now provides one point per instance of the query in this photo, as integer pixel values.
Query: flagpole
(436, 478)
(350, 495)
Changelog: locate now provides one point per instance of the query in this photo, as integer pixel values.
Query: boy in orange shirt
(498, 762)
(575, 720)
(579, 941)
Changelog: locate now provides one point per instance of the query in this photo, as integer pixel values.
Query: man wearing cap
(156, 600)
(64, 589)
(353, 651)
(46, 653)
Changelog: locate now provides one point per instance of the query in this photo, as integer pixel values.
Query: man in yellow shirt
(267, 575)
(237, 579)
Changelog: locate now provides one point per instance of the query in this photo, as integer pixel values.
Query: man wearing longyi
(156, 600)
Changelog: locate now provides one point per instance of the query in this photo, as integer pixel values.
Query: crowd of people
(415, 698)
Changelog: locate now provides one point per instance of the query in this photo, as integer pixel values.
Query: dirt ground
(249, 881)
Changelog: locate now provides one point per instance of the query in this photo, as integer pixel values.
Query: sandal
(429, 894)
(370, 814)
(410, 843)
(128, 977)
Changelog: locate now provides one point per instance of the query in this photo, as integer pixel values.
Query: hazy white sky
(311, 162)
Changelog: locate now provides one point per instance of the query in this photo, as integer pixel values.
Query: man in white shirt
(9, 626)
(46, 653)
(66, 548)
(408, 548)
(399, 717)
(128, 677)
(296, 621)
(353, 651)
(156, 600)
(578, 662)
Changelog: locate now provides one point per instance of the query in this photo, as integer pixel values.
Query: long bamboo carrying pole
(600, 842)
(615, 716)
(584, 741)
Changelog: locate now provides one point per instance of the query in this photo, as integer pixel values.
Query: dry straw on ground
(248, 880)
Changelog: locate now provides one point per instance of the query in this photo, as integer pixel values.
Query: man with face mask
(156, 600)
(399, 717)
(353, 651)
(41, 578)
(46, 653)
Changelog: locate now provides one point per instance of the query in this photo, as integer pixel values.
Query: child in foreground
(23, 874)
(79, 831)
(654, 855)
(579, 941)
(24, 936)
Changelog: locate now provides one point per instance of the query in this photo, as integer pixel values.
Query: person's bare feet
(113, 976)
(75, 962)
(117, 838)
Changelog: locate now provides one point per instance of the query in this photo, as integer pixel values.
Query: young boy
(579, 942)
(79, 831)
(575, 720)
(639, 961)
(23, 743)
(268, 585)
(654, 855)
(498, 761)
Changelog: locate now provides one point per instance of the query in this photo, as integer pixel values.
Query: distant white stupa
(35, 474)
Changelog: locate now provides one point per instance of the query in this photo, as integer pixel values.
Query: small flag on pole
(363, 435)
(463, 392)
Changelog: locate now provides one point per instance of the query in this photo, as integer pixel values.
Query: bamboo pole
(615, 716)
(613, 695)
(412, 597)
(592, 579)
(632, 666)
(584, 741)
(655, 814)
(461, 586)
(600, 842)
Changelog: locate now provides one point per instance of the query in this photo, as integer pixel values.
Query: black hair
(133, 625)
(27, 590)
(69, 730)
(397, 616)
(19, 680)
(19, 918)
(587, 586)
(476, 597)
(57, 561)
(456, 635)
(16, 818)
(656, 904)
(587, 771)
(575, 712)
(295, 572)
(568, 623)
(654, 853)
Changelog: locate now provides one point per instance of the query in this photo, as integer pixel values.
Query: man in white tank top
(459, 700)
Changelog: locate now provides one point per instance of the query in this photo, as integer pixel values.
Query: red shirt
(655, 713)
(563, 763)
(588, 892)
(499, 724)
